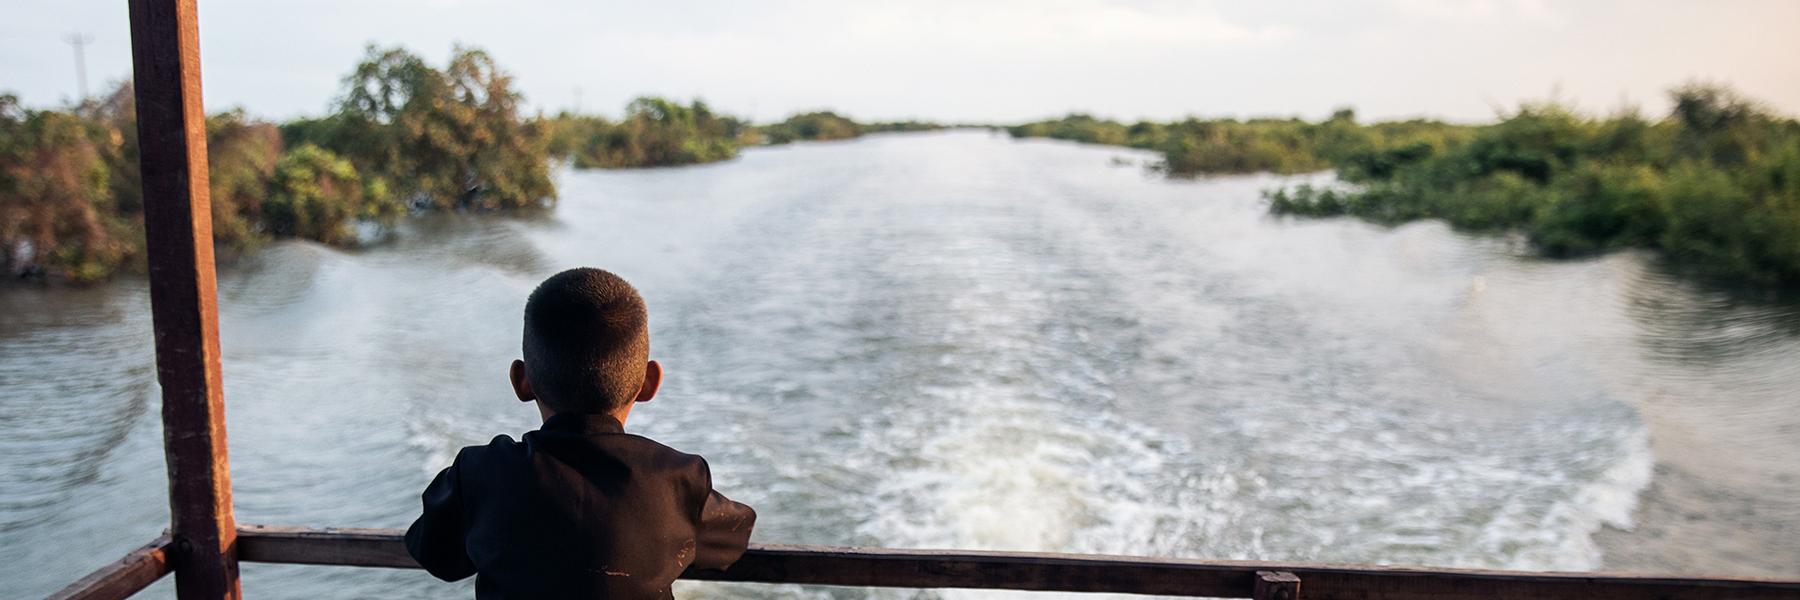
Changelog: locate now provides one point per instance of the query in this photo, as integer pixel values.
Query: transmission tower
(80, 41)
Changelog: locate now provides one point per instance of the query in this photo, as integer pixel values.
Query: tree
(241, 156)
(822, 125)
(506, 160)
(55, 214)
(115, 118)
(443, 139)
(656, 132)
(317, 195)
(1718, 125)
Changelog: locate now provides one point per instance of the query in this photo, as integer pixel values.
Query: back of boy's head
(587, 337)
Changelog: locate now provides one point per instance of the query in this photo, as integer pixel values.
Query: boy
(578, 508)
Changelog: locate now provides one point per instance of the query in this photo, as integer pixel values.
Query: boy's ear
(652, 381)
(521, 385)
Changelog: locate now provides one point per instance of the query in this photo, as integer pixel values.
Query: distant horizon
(534, 109)
(1465, 61)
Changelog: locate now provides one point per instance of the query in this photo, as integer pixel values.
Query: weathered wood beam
(165, 55)
(123, 577)
(874, 567)
(325, 546)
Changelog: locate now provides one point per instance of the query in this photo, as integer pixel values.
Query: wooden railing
(880, 567)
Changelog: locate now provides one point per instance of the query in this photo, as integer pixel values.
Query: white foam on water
(1005, 472)
(1562, 538)
(1008, 474)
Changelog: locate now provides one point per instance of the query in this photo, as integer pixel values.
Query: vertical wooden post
(1276, 585)
(165, 56)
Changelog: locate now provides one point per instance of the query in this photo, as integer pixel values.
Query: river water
(958, 340)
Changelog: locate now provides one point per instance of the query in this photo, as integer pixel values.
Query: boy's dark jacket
(578, 509)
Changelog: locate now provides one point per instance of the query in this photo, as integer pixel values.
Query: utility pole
(79, 41)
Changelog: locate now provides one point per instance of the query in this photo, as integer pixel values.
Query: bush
(656, 132)
(1602, 207)
(1740, 224)
(1222, 146)
(812, 126)
(444, 139)
(241, 157)
(318, 196)
(56, 213)
(1715, 186)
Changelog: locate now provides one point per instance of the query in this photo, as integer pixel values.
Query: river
(958, 340)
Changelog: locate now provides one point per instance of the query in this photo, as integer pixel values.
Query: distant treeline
(403, 136)
(657, 132)
(1714, 186)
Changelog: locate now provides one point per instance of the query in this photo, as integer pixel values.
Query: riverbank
(657, 132)
(405, 137)
(1714, 187)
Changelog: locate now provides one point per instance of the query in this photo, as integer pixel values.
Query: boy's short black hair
(587, 337)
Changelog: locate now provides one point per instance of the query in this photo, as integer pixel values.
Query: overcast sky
(968, 60)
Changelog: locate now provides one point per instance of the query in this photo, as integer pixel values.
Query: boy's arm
(723, 532)
(437, 539)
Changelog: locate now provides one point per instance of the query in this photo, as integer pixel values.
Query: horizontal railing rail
(876, 567)
(123, 577)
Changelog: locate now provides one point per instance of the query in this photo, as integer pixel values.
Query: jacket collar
(583, 424)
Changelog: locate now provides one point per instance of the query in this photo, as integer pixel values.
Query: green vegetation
(444, 139)
(655, 132)
(403, 133)
(823, 126)
(1200, 146)
(907, 126)
(317, 195)
(56, 211)
(1714, 186)
(812, 126)
(241, 155)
